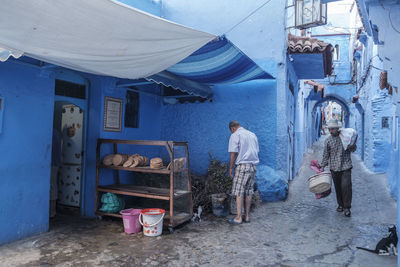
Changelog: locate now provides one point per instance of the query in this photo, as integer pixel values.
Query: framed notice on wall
(112, 118)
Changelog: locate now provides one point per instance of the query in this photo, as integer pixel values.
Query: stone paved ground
(301, 231)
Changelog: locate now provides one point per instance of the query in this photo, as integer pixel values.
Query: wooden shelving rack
(170, 194)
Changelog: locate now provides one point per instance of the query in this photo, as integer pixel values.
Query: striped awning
(219, 61)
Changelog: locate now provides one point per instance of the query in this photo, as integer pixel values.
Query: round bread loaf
(119, 159)
(128, 162)
(108, 160)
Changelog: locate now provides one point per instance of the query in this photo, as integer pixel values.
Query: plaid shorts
(243, 181)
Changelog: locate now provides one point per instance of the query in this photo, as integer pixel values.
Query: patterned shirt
(339, 158)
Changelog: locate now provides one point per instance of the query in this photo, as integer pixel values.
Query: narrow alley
(300, 231)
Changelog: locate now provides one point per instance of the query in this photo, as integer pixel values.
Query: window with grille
(70, 89)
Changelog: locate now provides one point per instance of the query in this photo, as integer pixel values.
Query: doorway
(70, 120)
(362, 135)
(291, 100)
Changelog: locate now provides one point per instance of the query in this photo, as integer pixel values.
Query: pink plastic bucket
(130, 217)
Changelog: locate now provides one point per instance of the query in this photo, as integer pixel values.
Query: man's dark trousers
(343, 187)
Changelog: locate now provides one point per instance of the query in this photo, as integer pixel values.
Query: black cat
(386, 244)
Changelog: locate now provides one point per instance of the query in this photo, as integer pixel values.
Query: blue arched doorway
(317, 117)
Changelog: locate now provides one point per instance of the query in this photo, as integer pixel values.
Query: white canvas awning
(7, 53)
(101, 37)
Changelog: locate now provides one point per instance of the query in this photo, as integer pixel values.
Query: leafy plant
(216, 181)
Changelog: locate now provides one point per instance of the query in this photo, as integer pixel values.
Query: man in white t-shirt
(243, 148)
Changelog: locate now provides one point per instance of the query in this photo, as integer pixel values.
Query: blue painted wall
(25, 144)
(26, 135)
(342, 66)
(375, 104)
(308, 66)
(149, 127)
(381, 107)
(205, 125)
(389, 58)
(381, 153)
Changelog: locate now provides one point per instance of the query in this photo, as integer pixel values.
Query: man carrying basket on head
(339, 159)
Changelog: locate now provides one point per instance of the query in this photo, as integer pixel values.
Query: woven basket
(320, 182)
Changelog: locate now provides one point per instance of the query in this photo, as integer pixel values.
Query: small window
(70, 89)
(385, 122)
(132, 109)
(336, 53)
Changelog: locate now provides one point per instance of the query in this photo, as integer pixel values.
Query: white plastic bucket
(152, 221)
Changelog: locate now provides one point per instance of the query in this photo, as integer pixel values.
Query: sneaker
(339, 209)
